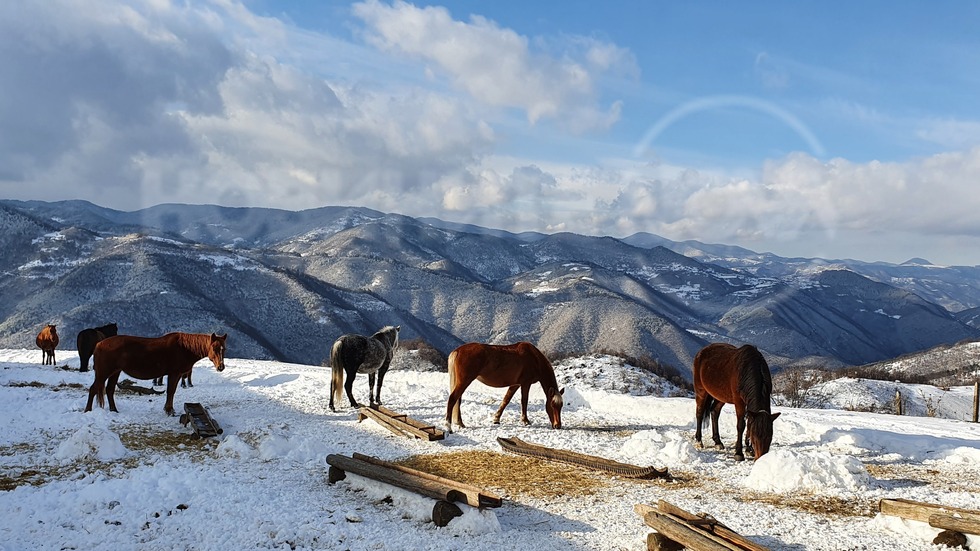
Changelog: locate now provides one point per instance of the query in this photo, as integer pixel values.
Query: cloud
(497, 66)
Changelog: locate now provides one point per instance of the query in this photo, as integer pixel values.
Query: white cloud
(497, 66)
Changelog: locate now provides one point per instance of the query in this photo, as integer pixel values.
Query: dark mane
(754, 379)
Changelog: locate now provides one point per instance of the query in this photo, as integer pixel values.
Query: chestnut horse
(145, 358)
(723, 375)
(513, 366)
(47, 341)
(87, 339)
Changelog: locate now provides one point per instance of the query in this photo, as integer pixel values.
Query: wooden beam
(400, 424)
(471, 495)
(716, 528)
(955, 523)
(921, 511)
(403, 477)
(685, 535)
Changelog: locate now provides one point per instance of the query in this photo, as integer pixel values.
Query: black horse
(88, 338)
(353, 354)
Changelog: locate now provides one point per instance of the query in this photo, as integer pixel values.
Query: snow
(93, 481)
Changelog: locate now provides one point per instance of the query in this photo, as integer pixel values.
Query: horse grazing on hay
(352, 354)
(723, 375)
(513, 366)
(146, 358)
(47, 341)
(87, 339)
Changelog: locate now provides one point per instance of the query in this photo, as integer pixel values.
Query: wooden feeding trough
(198, 417)
(677, 529)
(520, 447)
(400, 424)
(446, 492)
(953, 521)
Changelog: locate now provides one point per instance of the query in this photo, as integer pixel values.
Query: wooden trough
(199, 418)
(400, 424)
(445, 491)
(518, 446)
(952, 520)
(677, 529)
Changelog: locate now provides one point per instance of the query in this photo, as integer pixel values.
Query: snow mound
(614, 375)
(786, 471)
(92, 442)
(671, 449)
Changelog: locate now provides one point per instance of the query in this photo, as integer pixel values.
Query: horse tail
(337, 372)
(453, 414)
(709, 404)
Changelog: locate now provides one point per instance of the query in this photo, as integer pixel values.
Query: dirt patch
(818, 504)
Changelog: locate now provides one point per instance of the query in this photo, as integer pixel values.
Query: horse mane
(198, 343)
(384, 335)
(754, 379)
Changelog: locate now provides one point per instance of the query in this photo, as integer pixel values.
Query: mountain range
(285, 284)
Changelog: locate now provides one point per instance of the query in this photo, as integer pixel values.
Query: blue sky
(802, 128)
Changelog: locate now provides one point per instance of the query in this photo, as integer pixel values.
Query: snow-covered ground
(130, 480)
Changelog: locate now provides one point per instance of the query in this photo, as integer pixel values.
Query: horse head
(759, 427)
(216, 350)
(553, 404)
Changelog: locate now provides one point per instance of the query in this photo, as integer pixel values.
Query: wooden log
(400, 424)
(714, 526)
(431, 486)
(444, 511)
(921, 511)
(659, 542)
(463, 493)
(955, 523)
(670, 527)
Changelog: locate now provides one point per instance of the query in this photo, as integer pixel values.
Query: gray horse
(355, 354)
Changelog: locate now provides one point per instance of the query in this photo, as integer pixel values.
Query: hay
(510, 475)
(818, 504)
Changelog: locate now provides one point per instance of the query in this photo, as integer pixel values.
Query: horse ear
(562, 392)
(773, 418)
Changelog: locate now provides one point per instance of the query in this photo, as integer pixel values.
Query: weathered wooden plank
(955, 523)
(921, 511)
(471, 495)
(400, 424)
(200, 420)
(685, 535)
(713, 525)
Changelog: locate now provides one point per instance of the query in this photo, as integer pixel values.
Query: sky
(850, 131)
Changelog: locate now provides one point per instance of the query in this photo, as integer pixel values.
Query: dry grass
(818, 504)
(510, 475)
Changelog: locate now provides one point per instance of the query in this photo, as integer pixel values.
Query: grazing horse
(47, 341)
(352, 354)
(87, 339)
(146, 358)
(723, 375)
(513, 366)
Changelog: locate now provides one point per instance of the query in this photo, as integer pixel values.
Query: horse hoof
(739, 458)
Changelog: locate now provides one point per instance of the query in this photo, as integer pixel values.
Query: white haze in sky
(427, 111)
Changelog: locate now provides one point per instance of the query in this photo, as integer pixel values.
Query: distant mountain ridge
(286, 284)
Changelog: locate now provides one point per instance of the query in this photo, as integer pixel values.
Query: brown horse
(87, 339)
(47, 341)
(723, 375)
(145, 358)
(513, 366)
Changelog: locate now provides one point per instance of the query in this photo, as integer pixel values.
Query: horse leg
(525, 390)
(110, 390)
(168, 407)
(93, 390)
(740, 427)
(699, 411)
(715, 415)
(371, 379)
(507, 396)
(349, 387)
(381, 379)
(453, 405)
